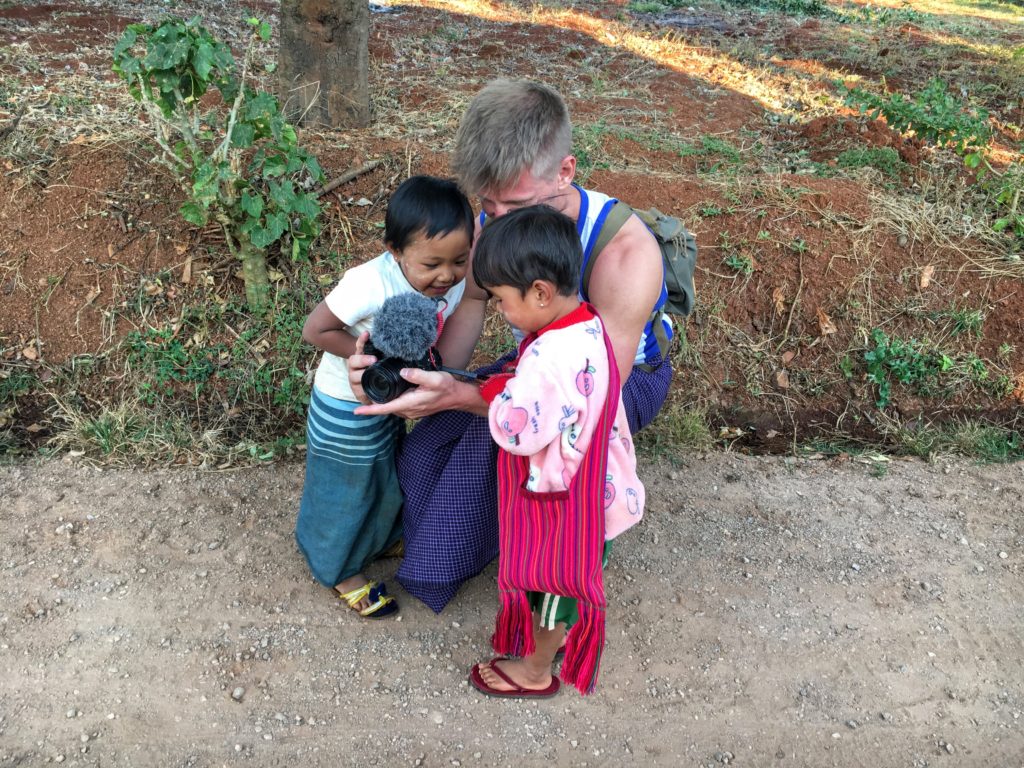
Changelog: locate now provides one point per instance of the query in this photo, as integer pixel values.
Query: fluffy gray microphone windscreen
(405, 326)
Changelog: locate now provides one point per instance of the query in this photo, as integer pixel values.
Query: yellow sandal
(381, 603)
(395, 550)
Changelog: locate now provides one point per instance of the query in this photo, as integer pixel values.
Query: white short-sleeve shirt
(355, 301)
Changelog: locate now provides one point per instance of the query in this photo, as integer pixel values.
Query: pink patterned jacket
(549, 407)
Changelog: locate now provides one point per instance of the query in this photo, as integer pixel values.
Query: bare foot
(354, 582)
(519, 671)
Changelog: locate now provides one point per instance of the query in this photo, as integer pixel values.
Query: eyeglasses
(523, 204)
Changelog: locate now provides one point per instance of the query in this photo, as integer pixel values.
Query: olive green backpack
(678, 254)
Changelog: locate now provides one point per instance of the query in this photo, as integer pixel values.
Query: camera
(382, 381)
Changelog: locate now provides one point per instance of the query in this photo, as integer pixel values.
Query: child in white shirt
(351, 501)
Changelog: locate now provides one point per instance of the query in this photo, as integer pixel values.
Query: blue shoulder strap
(588, 248)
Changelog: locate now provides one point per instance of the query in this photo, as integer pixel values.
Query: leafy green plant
(238, 160)
(936, 116)
(886, 16)
(1007, 187)
(926, 370)
(933, 115)
(739, 262)
(906, 361)
(171, 355)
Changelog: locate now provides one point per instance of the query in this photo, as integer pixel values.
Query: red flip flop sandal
(517, 692)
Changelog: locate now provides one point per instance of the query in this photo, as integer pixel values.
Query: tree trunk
(323, 62)
(254, 273)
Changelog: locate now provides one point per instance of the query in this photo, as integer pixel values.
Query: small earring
(542, 303)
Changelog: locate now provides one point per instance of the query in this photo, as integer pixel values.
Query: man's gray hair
(511, 126)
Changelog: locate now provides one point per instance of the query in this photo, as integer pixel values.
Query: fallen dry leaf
(787, 356)
(30, 353)
(926, 276)
(34, 428)
(782, 379)
(186, 271)
(825, 323)
(779, 300)
(1018, 390)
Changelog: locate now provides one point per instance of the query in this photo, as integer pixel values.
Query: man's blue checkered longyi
(446, 467)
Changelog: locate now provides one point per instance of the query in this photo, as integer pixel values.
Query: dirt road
(767, 612)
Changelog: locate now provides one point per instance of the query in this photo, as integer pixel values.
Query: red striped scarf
(553, 542)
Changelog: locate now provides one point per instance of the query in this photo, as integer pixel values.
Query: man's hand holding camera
(399, 371)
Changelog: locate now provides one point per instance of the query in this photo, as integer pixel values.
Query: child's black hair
(527, 244)
(429, 205)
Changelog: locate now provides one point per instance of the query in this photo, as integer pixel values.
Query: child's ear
(543, 291)
(396, 252)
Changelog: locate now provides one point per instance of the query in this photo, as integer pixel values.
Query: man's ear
(566, 171)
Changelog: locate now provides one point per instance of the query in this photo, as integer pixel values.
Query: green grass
(984, 442)
(211, 384)
(817, 8)
(980, 441)
(966, 321)
(713, 153)
(884, 159)
(15, 382)
(678, 428)
(588, 146)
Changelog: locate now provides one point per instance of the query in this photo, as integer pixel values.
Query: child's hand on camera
(357, 363)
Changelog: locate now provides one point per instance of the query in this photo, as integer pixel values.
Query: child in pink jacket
(564, 385)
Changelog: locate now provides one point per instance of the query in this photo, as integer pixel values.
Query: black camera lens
(382, 382)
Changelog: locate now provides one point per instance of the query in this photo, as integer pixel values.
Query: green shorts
(553, 609)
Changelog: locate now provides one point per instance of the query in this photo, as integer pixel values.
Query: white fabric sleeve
(358, 296)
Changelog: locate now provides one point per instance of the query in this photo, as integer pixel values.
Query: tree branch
(346, 177)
